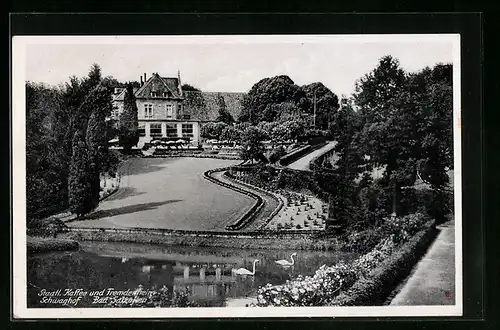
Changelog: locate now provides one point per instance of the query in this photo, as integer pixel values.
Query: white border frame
(19, 289)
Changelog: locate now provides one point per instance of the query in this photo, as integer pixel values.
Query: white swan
(244, 271)
(286, 262)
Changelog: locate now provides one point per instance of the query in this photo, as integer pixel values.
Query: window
(187, 131)
(171, 130)
(148, 111)
(155, 129)
(154, 94)
(142, 129)
(169, 111)
(167, 94)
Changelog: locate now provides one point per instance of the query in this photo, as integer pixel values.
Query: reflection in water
(206, 273)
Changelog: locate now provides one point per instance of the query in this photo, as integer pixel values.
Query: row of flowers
(329, 281)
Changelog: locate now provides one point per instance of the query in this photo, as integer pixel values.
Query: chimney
(145, 77)
(180, 85)
(142, 83)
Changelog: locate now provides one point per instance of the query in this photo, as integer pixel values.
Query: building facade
(160, 110)
(165, 111)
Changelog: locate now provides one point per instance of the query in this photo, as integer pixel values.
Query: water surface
(204, 272)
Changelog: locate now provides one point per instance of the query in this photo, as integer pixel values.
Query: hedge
(39, 244)
(294, 155)
(374, 288)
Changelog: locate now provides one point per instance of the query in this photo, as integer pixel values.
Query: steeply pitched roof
(155, 83)
(204, 106)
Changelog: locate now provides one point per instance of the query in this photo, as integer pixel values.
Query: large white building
(166, 111)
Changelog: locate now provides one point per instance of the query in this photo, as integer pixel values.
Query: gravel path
(169, 193)
(303, 163)
(433, 279)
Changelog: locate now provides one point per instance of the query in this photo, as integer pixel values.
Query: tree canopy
(251, 144)
(327, 104)
(259, 103)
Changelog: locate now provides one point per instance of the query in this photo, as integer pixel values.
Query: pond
(206, 273)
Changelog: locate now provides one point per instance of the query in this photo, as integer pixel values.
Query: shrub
(381, 281)
(309, 290)
(276, 154)
(328, 282)
(398, 229)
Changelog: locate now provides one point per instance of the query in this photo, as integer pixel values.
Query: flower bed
(330, 281)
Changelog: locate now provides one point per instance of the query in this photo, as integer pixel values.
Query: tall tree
(94, 77)
(251, 144)
(326, 103)
(432, 96)
(345, 129)
(258, 103)
(128, 129)
(45, 185)
(100, 102)
(383, 105)
(224, 115)
(189, 88)
(80, 186)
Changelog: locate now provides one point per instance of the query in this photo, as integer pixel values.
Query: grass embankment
(273, 242)
(46, 244)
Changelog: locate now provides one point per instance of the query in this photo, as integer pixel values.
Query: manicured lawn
(169, 193)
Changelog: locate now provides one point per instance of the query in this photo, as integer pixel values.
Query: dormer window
(165, 94)
(154, 94)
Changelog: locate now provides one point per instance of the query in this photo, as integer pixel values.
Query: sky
(231, 64)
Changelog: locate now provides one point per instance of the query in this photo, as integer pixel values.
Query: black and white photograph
(216, 175)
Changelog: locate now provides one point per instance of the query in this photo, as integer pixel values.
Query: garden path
(433, 279)
(303, 163)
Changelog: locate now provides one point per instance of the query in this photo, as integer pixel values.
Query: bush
(310, 290)
(374, 288)
(277, 154)
(398, 229)
(40, 245)
(49, 227)
(328, 282)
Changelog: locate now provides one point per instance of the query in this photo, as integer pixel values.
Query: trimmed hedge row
(377, 286)
(231, 177)
(194, 155)
(248, 216)
(202, 233)
(294, 155)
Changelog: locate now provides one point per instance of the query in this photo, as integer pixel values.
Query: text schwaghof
(71, 297)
